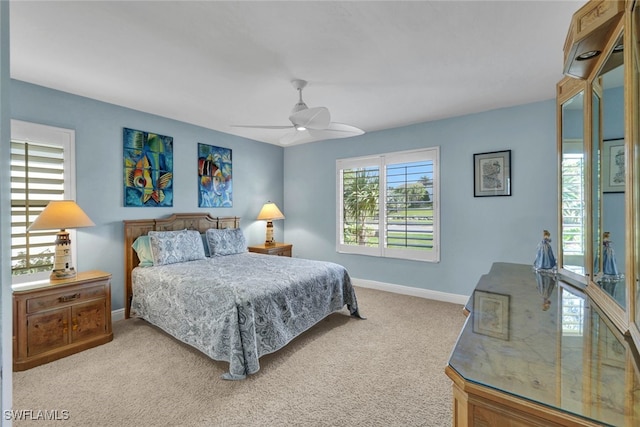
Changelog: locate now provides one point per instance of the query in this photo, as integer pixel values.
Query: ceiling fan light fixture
(300, 128)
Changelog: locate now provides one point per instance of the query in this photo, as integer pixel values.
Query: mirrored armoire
(560, 348)
(599, 159)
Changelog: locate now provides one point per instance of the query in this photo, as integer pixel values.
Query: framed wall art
(148, 169)
(613, 172)
(491, 314)
(492, 174)
(215, 189)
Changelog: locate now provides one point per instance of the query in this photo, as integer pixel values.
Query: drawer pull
(67, 298)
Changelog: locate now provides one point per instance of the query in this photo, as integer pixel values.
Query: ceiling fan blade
(334, 131)
(341, 127)
(296, 137)
(320, 135)
(261, 127)
(312, 118)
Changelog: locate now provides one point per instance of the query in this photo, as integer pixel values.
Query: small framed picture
(492, 174)
(613, 173)
(491, 314)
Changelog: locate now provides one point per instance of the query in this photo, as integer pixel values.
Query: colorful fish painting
(215, 189)
(148, 169)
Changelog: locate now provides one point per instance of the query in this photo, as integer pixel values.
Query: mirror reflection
(610, 255)
(610, 356)
(573, 185)
(596, 157)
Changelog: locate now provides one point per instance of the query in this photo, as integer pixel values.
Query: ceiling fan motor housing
(299, 107)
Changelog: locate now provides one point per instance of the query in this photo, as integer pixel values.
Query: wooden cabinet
(280, 249)
(537, 351)
(476, 405)
(57, 318)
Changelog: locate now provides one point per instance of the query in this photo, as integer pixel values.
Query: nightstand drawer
(63, 298)
(279, 249)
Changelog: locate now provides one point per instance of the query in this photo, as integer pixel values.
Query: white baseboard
(415, 292)
(117, 315)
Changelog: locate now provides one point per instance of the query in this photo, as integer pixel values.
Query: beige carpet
(387, 370)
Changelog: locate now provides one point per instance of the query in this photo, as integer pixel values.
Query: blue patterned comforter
(237, 308)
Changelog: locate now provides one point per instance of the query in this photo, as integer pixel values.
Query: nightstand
(280, 249)
(54, 319)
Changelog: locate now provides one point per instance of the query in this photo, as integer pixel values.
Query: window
(572, 314)
(41, 171)
(573, 212)
(388, 205)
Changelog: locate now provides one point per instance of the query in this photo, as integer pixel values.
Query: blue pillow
(142, 246)
(226, 241)
(169, 247)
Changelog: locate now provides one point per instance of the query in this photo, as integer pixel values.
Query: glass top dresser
(535, 351)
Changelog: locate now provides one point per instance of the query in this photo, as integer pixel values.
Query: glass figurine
(545, 260)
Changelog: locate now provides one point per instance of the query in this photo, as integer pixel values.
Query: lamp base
(269, 240)
(62, 268)
(63, 274)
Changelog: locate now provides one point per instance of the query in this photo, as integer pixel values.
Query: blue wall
(257, 171)
(475, 232)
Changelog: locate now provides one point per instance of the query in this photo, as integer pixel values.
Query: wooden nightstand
(57, 318)
(280, 249)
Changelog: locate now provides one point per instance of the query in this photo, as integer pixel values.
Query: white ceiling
(373, 64)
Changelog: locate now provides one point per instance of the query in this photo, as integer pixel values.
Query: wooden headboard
(140, 227)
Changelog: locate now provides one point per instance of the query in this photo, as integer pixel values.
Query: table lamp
(62, 214)
(270, 212)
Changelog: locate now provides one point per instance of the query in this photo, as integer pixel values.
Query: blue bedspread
(237, 308)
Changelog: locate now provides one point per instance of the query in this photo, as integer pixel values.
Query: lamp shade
(60, 215)
(270, 212)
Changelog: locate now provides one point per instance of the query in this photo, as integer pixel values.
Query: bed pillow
(142, 246)
(170, 247)
(227, 241)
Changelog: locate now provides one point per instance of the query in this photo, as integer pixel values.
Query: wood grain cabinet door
(88, 320)
(48, 330)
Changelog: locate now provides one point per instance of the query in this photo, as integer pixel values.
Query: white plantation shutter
(41, 171)
(388, 205)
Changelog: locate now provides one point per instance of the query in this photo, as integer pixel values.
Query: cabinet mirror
(609, 228)
(572, 254)
(596, 156)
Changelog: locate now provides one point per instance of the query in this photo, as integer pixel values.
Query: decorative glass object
(609, 265)
(545, 260)
(546, 283)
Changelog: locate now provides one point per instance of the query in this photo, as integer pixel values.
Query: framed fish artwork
(148, 169)
(215, 189)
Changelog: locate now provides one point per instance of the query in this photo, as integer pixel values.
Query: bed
(234, 306)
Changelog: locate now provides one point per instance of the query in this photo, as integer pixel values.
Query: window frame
(381, 161)
(29, 132)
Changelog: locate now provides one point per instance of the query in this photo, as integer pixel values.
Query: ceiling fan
(310, 124)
